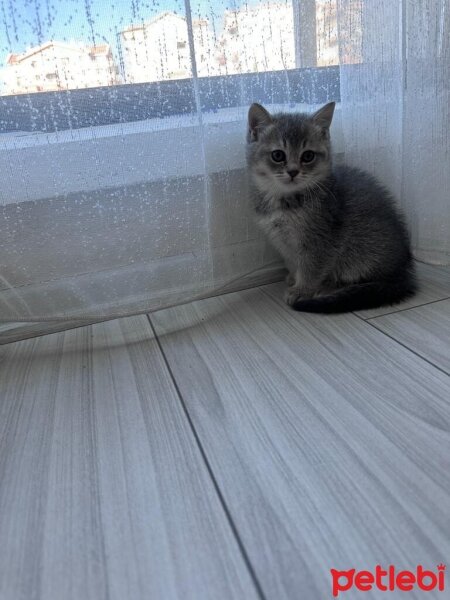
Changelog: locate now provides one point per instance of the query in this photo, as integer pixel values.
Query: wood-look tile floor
(226, 449)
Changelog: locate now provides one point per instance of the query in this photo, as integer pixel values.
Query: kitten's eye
(278, 156)
(308, 156)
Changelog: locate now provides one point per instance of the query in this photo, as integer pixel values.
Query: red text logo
(388, 579)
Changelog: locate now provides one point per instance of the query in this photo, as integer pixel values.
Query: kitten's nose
(293, 173)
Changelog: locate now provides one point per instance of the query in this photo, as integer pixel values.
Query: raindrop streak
(6, 25)
(38, 24)
(89, 19)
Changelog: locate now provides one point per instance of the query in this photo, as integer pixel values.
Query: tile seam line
(229, 518)
(402, 310)
(427, 360)
(368, 322)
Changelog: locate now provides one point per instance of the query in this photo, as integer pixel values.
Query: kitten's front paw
(290, 280)
(291, 295)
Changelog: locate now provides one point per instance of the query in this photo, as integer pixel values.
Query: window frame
(136, 150)
(50, 112)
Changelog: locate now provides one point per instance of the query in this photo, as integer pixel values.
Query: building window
(181, 45)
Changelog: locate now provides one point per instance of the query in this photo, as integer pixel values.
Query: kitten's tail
(361, 296)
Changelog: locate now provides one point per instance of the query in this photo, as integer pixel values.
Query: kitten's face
(288, 153)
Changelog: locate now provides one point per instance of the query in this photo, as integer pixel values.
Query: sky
(27, 23)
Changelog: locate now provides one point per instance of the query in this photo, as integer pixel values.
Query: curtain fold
(426, 138)
(124, 185)
(395, 108)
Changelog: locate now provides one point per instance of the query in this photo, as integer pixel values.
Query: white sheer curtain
(130, 195)
(426, 120)
(395, 108)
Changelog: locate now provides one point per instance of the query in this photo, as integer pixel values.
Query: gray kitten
(342, 238)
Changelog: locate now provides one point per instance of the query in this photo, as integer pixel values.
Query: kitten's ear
(258, 117)
(324, 115)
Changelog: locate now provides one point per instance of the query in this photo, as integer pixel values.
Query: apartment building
(159, 49)
(257, 38)
(59, 66)
(254, 38)
(262, 37)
